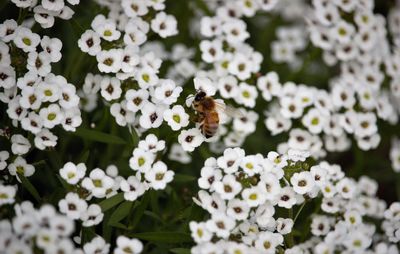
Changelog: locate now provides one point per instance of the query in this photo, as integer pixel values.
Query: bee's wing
(227, 109)
(189, 100)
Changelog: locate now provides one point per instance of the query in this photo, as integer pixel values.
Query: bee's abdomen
(210, 125)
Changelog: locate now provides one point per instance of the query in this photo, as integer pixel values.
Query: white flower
(96, 246)
(4, 155)
(26, 40)
(314, 121)
(268, 241)
(241, 66)
(7, 194)
(121, 113)
(68, 98)
(51, 116)
(254, 196)
(130, 59)
(20, 144)
(209, 175)
(199, 232)
(92, 216)
(158, 176)
(107, 30)
(110, 88)
(141, 160)
(221, 225)
(269, 183)
(167, 92)
(134, 36)
(245, 121)
(365, 125)
(347, 188)
(45, 139)
(152, 115)
(109, 60)
(53, 47)
(128, 246)
(320, 225)
(164, 25)
(146, 77)
(176, 117)
(19, 166)
(72, 205)
(72, 119)
(90, 42)
(22, 3)
(231, 160)
(302, 182)
(287, 198)
(228, 87)
(357, 241)
(238, 209)
(205, 85)
(132, 188)
(247, 95)
(39, 63)
(51, 93)
(98, 183)
(177, 153)
(133, 8)
(73, 173)
(8, 29)
(228, 188)
(352, 218)
(53, 5)
(30, 98)
(284, 226)
(190, 139)
(235, 31)
(211, 50)
(152, 144)
(269, 85)
(7, 76)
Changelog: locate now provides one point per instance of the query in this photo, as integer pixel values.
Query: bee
(207, 113)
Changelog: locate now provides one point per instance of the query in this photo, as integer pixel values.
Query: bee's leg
(198, 118)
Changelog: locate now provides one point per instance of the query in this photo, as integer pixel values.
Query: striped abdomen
(210, 124)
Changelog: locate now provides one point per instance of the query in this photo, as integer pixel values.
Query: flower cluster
(46, 12)
(150, 172)
(395, 154)
(289, 41)
(49, 231)
(43, 228)
(37, 99)
(245, 195)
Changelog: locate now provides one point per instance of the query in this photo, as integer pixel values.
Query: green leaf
(120, 213)
(137, 215)
(135, 137)
(163, 237)
(63, 182)
(27, 185)
(84, 157)
(111, 202)
(99, 136)
(180, 251)
(184, 178)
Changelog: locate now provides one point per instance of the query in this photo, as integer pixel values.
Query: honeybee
(207, 113)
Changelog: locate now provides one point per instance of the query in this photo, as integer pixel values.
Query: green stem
(298, 212)
(21, 15)
(290, 238)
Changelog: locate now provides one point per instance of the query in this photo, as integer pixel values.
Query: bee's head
(200, 96)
